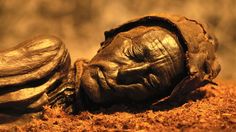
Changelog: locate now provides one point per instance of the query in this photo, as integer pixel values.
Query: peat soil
(208, 108)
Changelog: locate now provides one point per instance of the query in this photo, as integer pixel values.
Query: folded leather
(31, 70)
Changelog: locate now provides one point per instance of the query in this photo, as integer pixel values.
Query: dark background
(81, 23)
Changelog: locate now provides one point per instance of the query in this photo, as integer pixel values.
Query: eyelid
(136, 53)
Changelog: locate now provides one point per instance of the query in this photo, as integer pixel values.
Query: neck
(67, 95)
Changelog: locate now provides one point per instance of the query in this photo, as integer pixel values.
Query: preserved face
(138, 64)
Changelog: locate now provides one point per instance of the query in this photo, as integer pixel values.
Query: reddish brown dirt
(209, 108)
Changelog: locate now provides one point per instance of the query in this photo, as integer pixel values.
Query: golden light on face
(138, 64)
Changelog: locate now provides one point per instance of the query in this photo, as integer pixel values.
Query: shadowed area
(210, 107)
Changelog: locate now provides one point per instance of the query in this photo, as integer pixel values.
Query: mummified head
(137, 64)
(148, 57)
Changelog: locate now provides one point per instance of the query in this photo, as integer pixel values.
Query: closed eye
(136, 53)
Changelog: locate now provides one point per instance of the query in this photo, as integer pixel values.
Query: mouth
(151, 81)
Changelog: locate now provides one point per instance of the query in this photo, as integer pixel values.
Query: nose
(133, 74)
(104, 66)
(109, 62)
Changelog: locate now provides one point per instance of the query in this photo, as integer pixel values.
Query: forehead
(140, 31)
(139, 34)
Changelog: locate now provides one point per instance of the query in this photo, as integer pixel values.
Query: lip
(151, 81)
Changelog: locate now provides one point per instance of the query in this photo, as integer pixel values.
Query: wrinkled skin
(160, 57)
(139, 64)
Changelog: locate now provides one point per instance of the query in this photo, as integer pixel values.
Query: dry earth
(209, 108)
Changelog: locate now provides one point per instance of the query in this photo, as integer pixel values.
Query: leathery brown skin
(137, 65)
(119, 74)
(148, 58)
